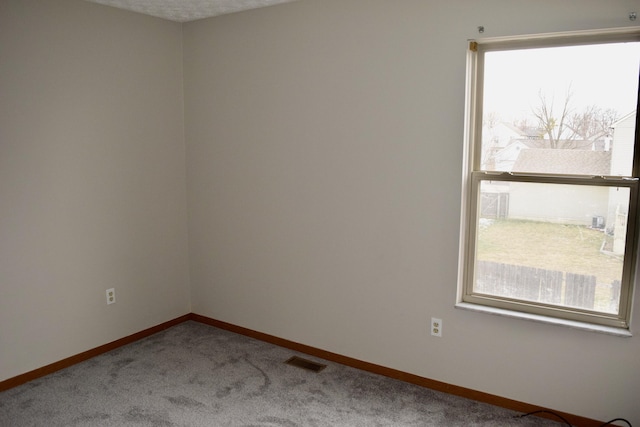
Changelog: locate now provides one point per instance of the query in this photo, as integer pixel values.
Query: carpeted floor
(197, 375)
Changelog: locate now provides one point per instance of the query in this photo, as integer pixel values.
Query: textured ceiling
(187, 10)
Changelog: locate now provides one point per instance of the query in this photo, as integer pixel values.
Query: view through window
(553, 181)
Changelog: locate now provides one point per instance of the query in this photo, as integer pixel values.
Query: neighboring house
(564, 161)
(497, 139)
(501, 134)
(621, 164)
(622, 145)
(505, 158)
(580, 205)
(504, 141)
(601, 142)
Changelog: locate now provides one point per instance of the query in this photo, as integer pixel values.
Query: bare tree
(584, 123)
(593, 122)
(524, 123)
(554, 124)
(565, 128)
(491, 119)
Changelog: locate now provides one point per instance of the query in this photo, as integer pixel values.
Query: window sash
(475, 72)
(619, 319)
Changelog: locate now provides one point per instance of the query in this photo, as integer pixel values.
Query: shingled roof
(559, 161)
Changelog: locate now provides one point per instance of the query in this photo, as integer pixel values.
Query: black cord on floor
(545, 412)
(608, 423)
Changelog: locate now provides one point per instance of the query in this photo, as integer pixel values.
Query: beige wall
(92, 178)
(324, 151)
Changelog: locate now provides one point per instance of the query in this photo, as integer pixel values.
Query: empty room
(438, 194)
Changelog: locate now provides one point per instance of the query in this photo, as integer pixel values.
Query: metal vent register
(305, 364)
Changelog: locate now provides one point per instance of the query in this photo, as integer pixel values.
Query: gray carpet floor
(197, 375)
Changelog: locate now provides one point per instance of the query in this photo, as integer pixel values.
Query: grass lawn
(567, 248)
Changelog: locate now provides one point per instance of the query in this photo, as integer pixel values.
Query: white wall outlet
(111, 296)
(436, 327)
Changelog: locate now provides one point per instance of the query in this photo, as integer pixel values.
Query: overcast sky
(605, 75)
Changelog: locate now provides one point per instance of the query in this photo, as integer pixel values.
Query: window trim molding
(617, 324)
(574, 324)
(575, 38)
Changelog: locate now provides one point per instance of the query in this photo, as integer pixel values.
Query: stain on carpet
(184, 401)
(138, 415)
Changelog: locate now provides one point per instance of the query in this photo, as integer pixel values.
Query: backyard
(566, 248)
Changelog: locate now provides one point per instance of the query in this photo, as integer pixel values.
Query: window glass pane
(554, 244)
(560, 110)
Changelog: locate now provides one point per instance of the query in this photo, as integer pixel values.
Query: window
(551, 185)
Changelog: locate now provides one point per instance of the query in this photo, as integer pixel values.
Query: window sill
(609, 330)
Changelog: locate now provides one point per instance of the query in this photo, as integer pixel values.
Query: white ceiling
(188, 10)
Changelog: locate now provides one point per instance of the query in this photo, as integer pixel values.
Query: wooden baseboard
(312, 351)
(478, 396)
(81, 357)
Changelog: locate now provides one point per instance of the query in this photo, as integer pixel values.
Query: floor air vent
(305, 364)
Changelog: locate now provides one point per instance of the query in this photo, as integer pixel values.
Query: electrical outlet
(436, 327)
(111, 296)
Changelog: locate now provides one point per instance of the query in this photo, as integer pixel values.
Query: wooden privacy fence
(536, 284)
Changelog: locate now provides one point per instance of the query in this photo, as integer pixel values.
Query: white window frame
(619, 323)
